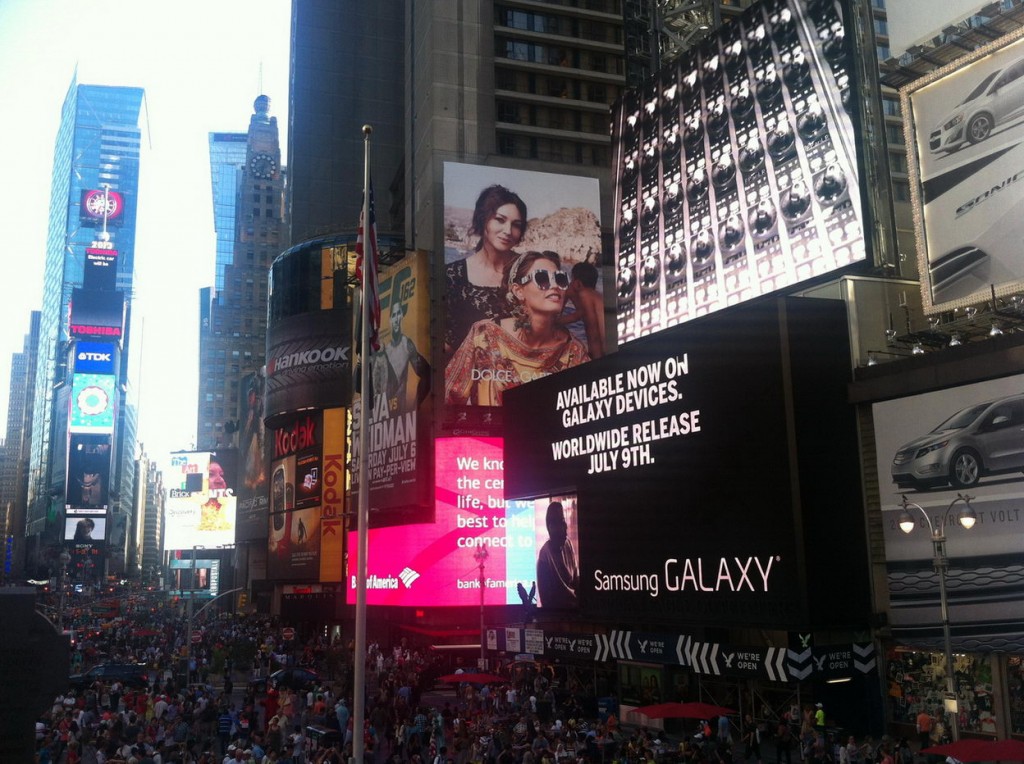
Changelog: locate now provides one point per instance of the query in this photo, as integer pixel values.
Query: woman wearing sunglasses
(530, 343)
(474, 284)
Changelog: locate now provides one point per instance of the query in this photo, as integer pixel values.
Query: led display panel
(85, 529)
(713, 464)
(434, 564)
(965, 143)
(88, 487)
(196, 511)
(736, 168)
(96, 314)
(95, 357)
(101, 206)
(93, 398)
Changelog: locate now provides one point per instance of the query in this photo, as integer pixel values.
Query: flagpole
(363, 518)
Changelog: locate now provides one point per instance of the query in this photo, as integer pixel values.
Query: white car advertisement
(966, 158)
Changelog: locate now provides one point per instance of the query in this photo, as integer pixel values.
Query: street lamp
(480, 555)
(966, 517)
(189, 606)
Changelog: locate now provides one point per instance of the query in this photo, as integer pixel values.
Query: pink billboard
(433, 564)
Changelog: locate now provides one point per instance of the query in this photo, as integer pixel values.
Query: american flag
(369, 281)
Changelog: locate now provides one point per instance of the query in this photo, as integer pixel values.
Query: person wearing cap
(819, 719)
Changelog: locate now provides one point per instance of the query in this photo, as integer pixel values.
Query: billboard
(433, 564)
(702, 476)
(95, 357)
(332, 509)
(931, 448)
(736, 168)
(93, 402)
(201, 503)
(97, 314)
(308, 362)
(965, 139)
(493, 217)
(295, 493)
(253, 458)
(88, 485)
(101, 206)
(400, 401)
(100, 267)
(85, 529)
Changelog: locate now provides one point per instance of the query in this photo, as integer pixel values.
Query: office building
(89, 271)
(251, 227)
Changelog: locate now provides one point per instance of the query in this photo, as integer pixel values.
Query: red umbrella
(966, 750)
(975, 749)
(684, 711)
(1006, 750)
(473, 678)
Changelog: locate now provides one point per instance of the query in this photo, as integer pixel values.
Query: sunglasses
(542, 278)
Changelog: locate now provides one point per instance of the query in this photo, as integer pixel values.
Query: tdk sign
(94, 358)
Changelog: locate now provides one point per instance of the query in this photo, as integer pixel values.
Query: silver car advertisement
(934, 448)
(965, 138)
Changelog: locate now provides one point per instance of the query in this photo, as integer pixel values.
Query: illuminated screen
(433, 564)
(736, 168)
(195, 512)
(100, 204)
(94, 357)
(92, 403)
(88, 473)
(85, 530)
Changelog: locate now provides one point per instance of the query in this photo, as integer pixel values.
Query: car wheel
(979, 128)
(965, 469)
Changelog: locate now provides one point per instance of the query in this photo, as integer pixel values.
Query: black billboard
(714, 464)
(309, 363)
(97, 314)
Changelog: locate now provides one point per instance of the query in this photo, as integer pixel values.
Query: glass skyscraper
(93, 202)
(227, 161)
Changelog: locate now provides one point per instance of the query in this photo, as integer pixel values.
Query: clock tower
(249, 213)
(263, 159)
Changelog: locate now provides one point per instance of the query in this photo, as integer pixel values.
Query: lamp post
(189, 606)
(966, 517)
(480, 555)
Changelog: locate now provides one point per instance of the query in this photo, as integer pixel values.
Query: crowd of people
(231, 712)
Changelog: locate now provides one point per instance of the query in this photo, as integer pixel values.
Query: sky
(201, 63)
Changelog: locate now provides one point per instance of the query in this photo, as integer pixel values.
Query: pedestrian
(751, 739)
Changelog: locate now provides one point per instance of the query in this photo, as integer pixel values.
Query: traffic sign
(288, 634)
(196, 638)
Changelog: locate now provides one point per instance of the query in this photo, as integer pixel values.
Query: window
(890, 107)
(901, 190)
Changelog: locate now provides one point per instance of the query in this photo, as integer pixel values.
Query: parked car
(135, 675)
(997, 99)
(982, 439)
(294, 678)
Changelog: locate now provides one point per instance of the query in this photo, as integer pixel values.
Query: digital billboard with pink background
(433, 564)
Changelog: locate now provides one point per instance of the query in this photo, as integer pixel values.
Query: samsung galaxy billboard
(965, 139)
(714, 464)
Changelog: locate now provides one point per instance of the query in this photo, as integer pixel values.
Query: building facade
(88, 275)
(251, 228)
